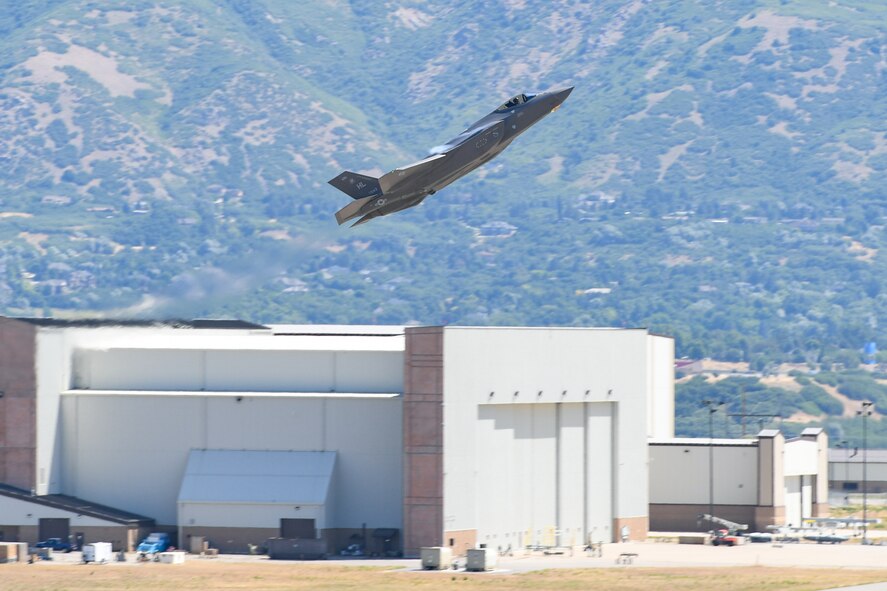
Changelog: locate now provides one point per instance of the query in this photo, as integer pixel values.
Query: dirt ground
(205, 575)
(658, 567)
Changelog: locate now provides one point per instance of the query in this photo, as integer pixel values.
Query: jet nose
(557, 97)
(562, 94)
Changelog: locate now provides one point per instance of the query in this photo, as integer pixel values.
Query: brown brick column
(18, 405)
(423, 439)
(638, 527)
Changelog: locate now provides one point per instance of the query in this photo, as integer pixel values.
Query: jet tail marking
(357, 186)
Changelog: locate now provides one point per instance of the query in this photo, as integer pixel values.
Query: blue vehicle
(57, 545)
(154, 543)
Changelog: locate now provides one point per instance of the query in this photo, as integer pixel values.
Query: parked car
(154, 543)
(57, 545)
(352, 550)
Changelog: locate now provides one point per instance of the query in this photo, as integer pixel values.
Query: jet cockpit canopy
(515, 101)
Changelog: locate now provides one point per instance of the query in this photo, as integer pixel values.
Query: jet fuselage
(479, 143)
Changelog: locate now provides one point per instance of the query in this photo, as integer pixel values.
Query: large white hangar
(391, 437)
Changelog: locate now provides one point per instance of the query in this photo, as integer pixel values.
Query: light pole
(866, 412)
(712, 409)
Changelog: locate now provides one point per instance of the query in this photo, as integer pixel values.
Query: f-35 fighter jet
(408, 186)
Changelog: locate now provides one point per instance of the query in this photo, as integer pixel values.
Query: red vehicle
(723, 537)
(728, 535)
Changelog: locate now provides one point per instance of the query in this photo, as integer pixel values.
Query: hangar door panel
(518, 465)
(798, 499)
(570, 475)
(793, 500)
(599, 472)
(498, 471)
(548, 470)
(807, 496)
(54, 527)
(543, 462)
(297, 528)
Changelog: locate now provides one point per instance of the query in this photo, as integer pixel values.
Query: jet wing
(399, 175)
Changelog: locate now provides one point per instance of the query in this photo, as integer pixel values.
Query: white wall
(57, 370)
(801, 457)
(679, 474)
(19, 512)
(572, 385)
(243, 370)
(130, 451)
(121, 451)
(875, 471)
(247, 515)
(52, 377)
(660, 389)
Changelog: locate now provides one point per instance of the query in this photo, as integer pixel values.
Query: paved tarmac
(660, 554)
(648, 554)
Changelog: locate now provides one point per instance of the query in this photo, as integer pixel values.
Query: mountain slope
(717, 174)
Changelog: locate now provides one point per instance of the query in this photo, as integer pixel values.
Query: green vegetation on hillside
(717, 175)
(798, 403)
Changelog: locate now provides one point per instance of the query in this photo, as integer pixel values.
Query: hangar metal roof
(257, 476)
(703, 441)
(226, 324)
(277, 337)
(231, 394)
(374, 330)
(854, 455)
(77, 505)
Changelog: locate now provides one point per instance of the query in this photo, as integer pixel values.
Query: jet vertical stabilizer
(357, 185)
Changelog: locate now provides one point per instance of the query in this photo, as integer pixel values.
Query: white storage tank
(436, 558)
(172, 557)
(481, 559)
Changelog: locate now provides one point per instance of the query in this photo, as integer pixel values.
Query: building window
(452, 542)
(850, 486)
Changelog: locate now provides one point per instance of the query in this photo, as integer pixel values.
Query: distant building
(759, 482)
(688, 366)
(394, 438)
(845, 468)
(30, 518)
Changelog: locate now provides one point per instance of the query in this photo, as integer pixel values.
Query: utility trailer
(98, 552)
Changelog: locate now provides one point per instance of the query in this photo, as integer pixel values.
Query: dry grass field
(205, 575)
